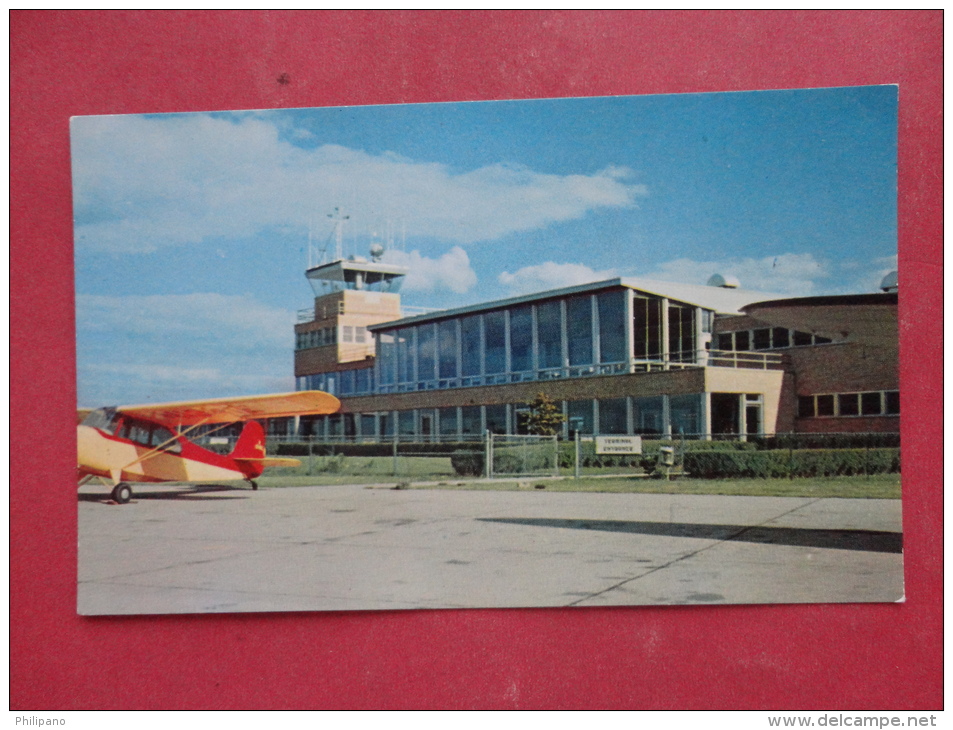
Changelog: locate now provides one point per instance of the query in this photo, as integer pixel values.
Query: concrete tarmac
(177, 549)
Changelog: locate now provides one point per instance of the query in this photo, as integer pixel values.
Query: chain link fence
(498, 455)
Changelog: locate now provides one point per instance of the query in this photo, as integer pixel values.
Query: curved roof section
(870, 319)
(722, 301)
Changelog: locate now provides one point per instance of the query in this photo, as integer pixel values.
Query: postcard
(615, 351)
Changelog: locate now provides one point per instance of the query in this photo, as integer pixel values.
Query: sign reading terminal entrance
(618, 444)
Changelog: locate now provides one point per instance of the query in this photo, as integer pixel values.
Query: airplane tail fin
(251, 442)
(249, 452)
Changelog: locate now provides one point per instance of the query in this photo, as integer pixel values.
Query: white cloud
(550, 275)
(452, 271)
(790, 274)
(175, 347)
(144, 183)
(209, 316)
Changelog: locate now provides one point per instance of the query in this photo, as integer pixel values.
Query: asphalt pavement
(177, 549)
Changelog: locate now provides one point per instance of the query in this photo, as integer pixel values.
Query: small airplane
(148, 443)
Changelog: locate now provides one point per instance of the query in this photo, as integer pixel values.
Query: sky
(193, 231)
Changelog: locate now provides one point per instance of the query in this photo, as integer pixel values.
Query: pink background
(760, 657)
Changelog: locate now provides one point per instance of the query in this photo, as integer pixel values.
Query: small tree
(544, 417)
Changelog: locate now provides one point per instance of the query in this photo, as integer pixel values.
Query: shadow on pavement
(192, 493)
(865, 540)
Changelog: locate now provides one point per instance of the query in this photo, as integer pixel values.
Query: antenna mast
(338, 232)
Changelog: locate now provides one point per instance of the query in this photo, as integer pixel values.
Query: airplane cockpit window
(162, 437)
(102, 418)
(149, 434)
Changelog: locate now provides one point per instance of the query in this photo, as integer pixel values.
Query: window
(870, 404)
(847, 404)
(580, 416)
(892, 398)
(549, 334)
(447, 346)
(647, 328)
(496, 418)
(521, 339)
(726, 341)
(471, 423)
(363, 380)
(579, 330)
(426, 352)
(825, 405)
(741, 340)
(386, 358)
(470, 345)
(347, 333)
(762, 339)
(162, 437)
(494, 327)
(134, 431)
(405, 355)
(102, 418)
(448, 421)
(613, 416)
(406, 423)
(648, 415)
(681, 333)
(368, 425)
(686, 414)
(802, 338)
(805, 406)
(612, 326)
(780, 337)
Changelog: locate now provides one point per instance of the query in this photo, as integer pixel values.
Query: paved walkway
(208, 549)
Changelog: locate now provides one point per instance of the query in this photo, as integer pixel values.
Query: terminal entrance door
(725, 415)
(736, 415)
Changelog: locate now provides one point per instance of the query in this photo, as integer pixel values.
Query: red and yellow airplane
(148, 443)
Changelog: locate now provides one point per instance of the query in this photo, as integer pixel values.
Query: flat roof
(717, 299)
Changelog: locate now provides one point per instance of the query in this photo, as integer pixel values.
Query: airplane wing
(243, 408)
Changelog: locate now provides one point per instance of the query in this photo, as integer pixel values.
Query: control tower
(350, 293)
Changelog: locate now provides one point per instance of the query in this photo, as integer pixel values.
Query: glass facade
(341, 382)
(576, 336)
(654, 416)
(582, 334)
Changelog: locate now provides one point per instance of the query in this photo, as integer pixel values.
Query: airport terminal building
(621, 356)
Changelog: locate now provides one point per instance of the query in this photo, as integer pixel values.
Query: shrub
(785, 463)
(468, 463)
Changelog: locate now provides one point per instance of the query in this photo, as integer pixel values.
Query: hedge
(382, 449)
(468, 463)
(801, 463)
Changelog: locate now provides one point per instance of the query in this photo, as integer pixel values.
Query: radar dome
(724, 282)
(889, 282)
(377, 250)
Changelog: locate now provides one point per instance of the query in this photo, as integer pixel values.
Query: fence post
(488, 457)
(576, 471)
(396, 470)
(310, 455)
(556, 454)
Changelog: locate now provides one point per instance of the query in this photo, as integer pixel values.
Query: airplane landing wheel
(122, 493)
(254, 485)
